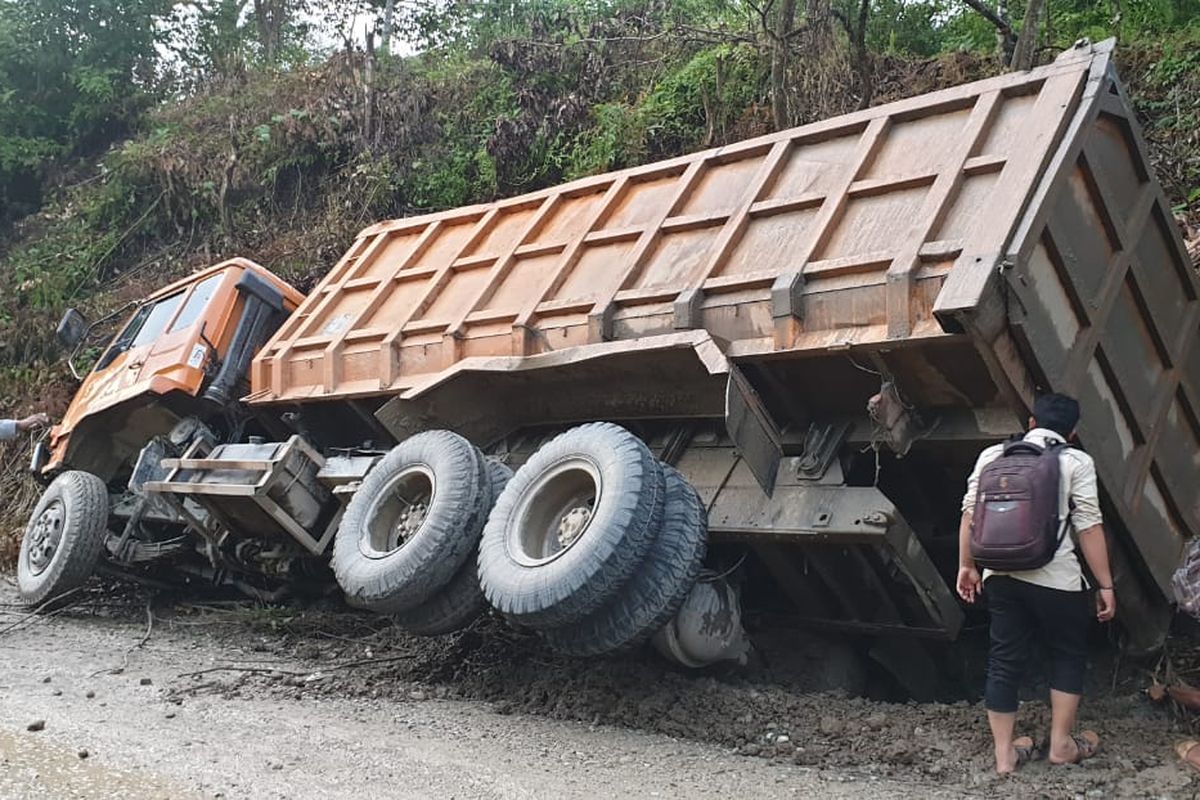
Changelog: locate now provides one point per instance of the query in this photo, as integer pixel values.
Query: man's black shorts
(1022, 613)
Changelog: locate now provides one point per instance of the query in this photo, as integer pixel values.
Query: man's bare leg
(1063, 707)
(1003, 724)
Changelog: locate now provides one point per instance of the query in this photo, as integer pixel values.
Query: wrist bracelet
(1105, 588)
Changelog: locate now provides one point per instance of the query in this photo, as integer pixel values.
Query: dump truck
(634, 405)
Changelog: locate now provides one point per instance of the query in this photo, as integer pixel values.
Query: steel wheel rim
(46, 536)
(556, 512)
(399, 511)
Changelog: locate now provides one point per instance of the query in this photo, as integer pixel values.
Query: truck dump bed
(985, 241)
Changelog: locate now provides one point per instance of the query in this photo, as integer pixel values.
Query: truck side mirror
(71, 328)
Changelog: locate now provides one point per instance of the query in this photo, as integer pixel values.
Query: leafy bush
(704, 97)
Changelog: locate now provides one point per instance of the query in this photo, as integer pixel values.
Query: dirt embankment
(764, 716)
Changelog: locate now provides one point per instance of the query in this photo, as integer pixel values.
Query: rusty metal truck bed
(973, 246)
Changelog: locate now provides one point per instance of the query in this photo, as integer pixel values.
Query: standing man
(1049, 603)
(9, 428)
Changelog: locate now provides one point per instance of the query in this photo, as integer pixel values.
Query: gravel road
(254, 704)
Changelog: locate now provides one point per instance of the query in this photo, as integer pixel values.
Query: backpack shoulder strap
(1022, 446)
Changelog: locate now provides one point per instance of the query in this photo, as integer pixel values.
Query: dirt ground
(241, 702)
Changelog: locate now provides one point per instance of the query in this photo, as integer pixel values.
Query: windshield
(151, 320)
(196, 302)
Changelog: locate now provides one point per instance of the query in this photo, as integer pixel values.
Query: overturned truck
(627, 406)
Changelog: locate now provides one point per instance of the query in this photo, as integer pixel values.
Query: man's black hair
(1058, 412)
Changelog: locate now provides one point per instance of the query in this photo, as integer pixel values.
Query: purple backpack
(1015, 526)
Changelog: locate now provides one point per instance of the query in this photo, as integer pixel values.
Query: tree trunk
(779, 58)
(369, 91)
(1004, 41)
(269, 16)
(817, 27)
(1026, 49)
(862, 57)
(389, 18)
(227, 177)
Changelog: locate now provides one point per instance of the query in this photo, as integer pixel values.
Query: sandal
(1087, 745)
(1026, 750)
(1189, 751)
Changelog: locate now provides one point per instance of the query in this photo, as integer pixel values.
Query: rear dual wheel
(594, 543)
(656, 590)
(572, 527)
(460, 602)
(413, 523)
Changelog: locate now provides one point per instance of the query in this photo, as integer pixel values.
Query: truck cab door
(176, 340)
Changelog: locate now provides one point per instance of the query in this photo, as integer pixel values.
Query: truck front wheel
(63, 539)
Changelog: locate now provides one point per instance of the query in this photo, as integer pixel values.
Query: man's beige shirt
(1077, 500)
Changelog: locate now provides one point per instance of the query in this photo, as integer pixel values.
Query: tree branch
(991, 17)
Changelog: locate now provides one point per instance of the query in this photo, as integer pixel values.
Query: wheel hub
(555, 511)
(45, 537)
(572, 524)
(403, 506)
(411, 519)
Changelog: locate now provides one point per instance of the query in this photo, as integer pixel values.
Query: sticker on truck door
(196, 359)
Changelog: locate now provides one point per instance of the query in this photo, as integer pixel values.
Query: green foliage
(72, 77)
(617, 139)
(713, 88)
(458, 169)
(915, 28)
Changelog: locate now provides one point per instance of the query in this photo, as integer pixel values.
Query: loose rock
(831, 726)
(36, 725)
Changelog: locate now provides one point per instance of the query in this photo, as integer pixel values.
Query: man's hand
(33, 422)
(969, 585)
(1106, 604)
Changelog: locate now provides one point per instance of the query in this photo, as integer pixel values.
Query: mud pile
(788, 715)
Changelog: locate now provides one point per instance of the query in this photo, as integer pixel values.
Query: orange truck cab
(185, 351)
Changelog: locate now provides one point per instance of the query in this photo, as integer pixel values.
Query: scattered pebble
(170, 715)
(57, 693)
(145, 682)
(90, 694)
(36, 725)
(46, 679)
(83, 753)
